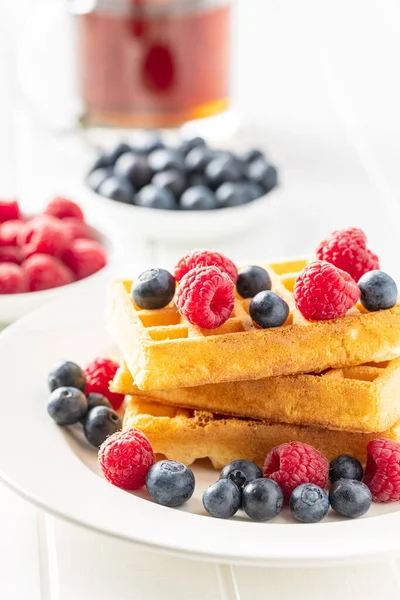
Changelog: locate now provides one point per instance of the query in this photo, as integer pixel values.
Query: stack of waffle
(238, 391)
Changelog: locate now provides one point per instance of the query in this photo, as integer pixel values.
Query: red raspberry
(295, 463)
(382, 473)
(205, 258)
(43, 235)
(77, 229)
(99, 373)
(45, 272)
(324, 292)
(62, 208)
(13, 279)
(9, 209)
(206, 297)
(10, 254)
(125, 458)
(347, 250)
(9, 232)
(85, 257)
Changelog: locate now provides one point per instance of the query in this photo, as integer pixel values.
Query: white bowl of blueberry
(188, 191)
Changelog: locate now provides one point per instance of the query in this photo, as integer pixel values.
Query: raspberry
(45, 272)
(10, 254)
(206, 297)
(62, 208)
(77, 229)
(382, 473)
(99, 373)
(295, 463)
(9, 232)
(9, 209)
(13, 279)
(205, 258)
(43, 235)
(125, 458)
(324, 292)
(347, 250)
(85, 257)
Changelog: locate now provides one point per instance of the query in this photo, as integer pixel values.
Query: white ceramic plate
(55, 469)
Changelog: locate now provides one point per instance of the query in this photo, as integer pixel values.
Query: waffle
(362, 398)
(186, 435)
(163, 350)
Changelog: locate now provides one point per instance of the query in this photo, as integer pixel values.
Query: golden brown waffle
(364, 398)
(186, 435)
(163, 350)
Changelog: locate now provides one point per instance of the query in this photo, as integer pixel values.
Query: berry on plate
(347, 250)
(125, 458)
(9, 210)
(309, 503)
(324, 292)
(205, 258)
(345, 467)
(9, 231)
(170, 483)
(378, 291)
(62, 208)
(95, 399)
(241, 472)
(154, 288)
(99, 373)
(267, 309)
(67, 405)
(350, 498)
(10, 254)
(13, 279)
(262, 499)
(100, 423)
(382, 473)
(294, 463)
(84, 257)
(67, 374)
(222, 499)
(45, 272)
(206, 297)
(252, 280)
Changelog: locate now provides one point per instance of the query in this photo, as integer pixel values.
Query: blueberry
(170, 483)
(198, 197)
(198, 158)
(109, 157)
(67, 405)
(262, 172)
(268, 310)
(350, 498)
(172, 180)
(252, 280)
(166, 158)
(101, 422)
(147, 142)
(152, 196)
(154, 288)
(251, 155)
(196, 179)
(67, 374)
(223, 168)
(262, 499)
(222, 499)
(233, 194)
(345, 467)
(378, 291)
(117, 188)
(255, 189)
(309, 503)
(135, 168)
(94, 399)
(96, 178)
(187, 145)
(237, 469)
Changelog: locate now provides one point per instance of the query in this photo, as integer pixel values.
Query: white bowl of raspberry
(42, 256)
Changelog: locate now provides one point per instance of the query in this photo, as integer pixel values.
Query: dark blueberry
(146, 142)
(117, 188)
(95, 399)
(166, 158)
(222, 499)
(187, 145)
(172, 180)
(67, 374)
(345, 467)
(152, 196)
(96, 178)
(263, 173)
(67, 405)
(262, 499)
(268, 310)
(226, 155)
(135, 168)
(350, 498)
(154, 288)
(109, 157)
(251, 155)
(233, 194)
(198, 158)
(170, 483)
(198, 197)
(100, 423)
(223, 168)
(309, 503)
(196, 179)
(237, 469)
(256, 190)
(378, 291)
(252, 280)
